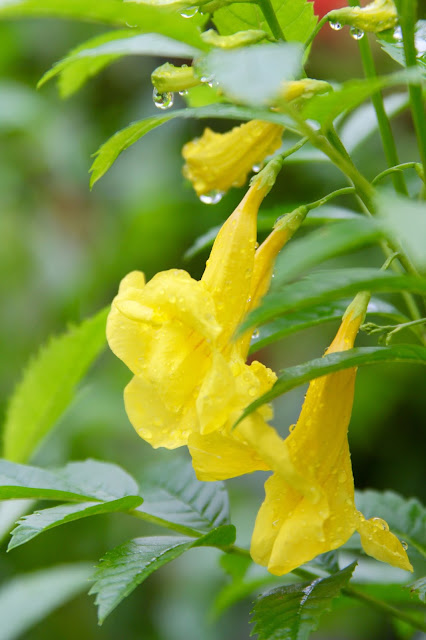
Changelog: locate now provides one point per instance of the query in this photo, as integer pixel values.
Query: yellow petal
(381, 544)
(214, 400)
(218, 161)
(229, 268)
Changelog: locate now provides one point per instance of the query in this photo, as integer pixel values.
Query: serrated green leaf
(332, 362)
(47, 386)
(32, 525)
(92, 56)
(326, 286)
(325, 108)
(293, 322)
(293, 612)
(253, 75)
(76, 481)
(30, 597)
(122, 569)
(173, 493)
(112, 12)
(323, 244)
(123, 139)
(394, 46)
(419, 588)
(296, 18)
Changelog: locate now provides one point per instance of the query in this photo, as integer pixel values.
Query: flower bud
(170, 78)
(376, 16)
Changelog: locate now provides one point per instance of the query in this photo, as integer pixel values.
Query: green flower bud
(376, 16)
(169, 78)
(239, 39)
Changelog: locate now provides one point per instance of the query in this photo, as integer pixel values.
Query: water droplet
(183, 93)
(256, 168)
(213, 197)
(336, 26)
(342, 477)
(256, 334)
(291, 428)
(356, 33)
(252, 392)
(207, 80)
(397, 34)
(256, 246)
(162, 100)
(189, 12)
(380, 523)
(404, 545)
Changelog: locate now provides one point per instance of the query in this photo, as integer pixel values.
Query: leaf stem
(314, 34)
(396, 168)
(174, 526)
(271, 19)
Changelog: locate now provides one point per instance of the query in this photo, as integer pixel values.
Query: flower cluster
(191, 382)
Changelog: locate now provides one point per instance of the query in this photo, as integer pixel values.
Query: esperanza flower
(292, 527)
(175, 333)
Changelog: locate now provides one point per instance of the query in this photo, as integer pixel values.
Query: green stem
(407, 21)
(271, 19)
(385, 129)
(330, 196)
(384, 607)
(314, 34)
(396, 168)
(179, 528)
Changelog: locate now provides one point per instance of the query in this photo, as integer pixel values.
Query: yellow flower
(191, 382)
(293, 527)
(219, 161)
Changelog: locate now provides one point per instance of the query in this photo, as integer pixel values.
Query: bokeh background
(63, 251)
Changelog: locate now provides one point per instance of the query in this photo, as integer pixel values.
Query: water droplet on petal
(404, 545)
(162, 100)
(183, 93)
(189, 12)
(291, 428)
(213, 197)
(256, 246)
(356, 33)
(336, 26)
(256, 168)
(380, 523)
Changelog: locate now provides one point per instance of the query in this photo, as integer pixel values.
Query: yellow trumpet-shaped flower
(191, 382)
(293, 527)
(219, 161)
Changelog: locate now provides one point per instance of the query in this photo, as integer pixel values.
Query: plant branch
(396, 168)
(271, 19)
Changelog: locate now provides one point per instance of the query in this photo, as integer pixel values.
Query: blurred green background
(63, 251)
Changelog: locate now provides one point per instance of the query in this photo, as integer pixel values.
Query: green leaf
(112, 12)
(173, 493)
(111, 149)
(293, 322)
(76, 481)
(404, 221)
(122, 569)
(92, 56)
(394, 46)
(325, 286)
(406, 517)
(32, 525)
(419, 588)
(254, 75)
(332, 362)
(28, 598)
(325, 108)
(296, 18)
(325, 243)
(293, 612)
(47, 386)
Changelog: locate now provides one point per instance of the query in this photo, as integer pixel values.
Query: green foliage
(254, 75)
(394, 46)
(30, 597)
(296, 18)
(47, 386)
(88, 59)
(295, 376)
(315, 316)
(293, 612)
(32, 525)
(328, 285)
(76, 481)
(419, 588)
(174, 494)
(125, 567)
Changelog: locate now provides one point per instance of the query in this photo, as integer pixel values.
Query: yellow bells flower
(219, 161)
(174, 333)
(292, 527)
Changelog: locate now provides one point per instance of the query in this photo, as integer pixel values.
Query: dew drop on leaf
(189, 12)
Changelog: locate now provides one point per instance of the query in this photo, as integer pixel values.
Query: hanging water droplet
(404, 545)
(256, 168)
(256, 334)
(356, 33)
(381, 523)
(213, 197)
(162, 100)
(291, 428)
(189, 12)
(207, 80)
(397, 34)
(336, 26)
(183, 93)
